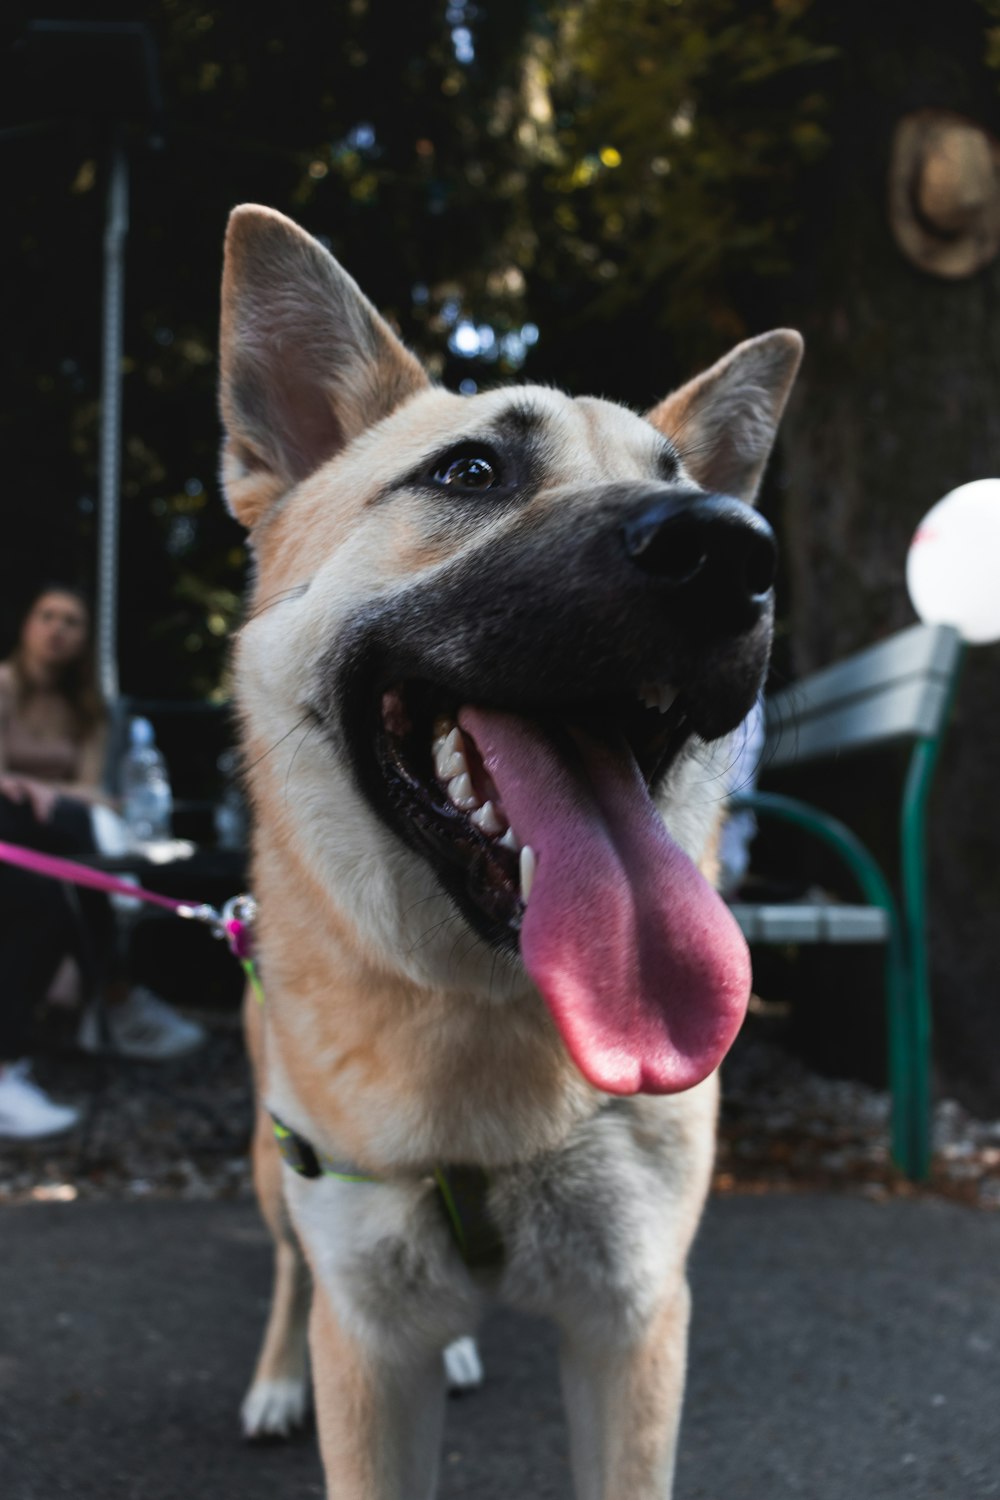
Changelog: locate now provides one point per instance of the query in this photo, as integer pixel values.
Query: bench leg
(914, 1155)
(909, 1070)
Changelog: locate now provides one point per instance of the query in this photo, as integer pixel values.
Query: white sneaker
(26, 1111)
(144, 1027)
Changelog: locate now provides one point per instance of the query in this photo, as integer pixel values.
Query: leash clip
(242, 909)
(236, 925)
(234, 922)
(203, 913)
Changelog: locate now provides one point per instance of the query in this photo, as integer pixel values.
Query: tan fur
(624, 1407)
(394, 1037)
(282, 1365)
(718, 419)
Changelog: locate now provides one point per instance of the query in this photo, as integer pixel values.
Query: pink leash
(68, 869)
(234, 922)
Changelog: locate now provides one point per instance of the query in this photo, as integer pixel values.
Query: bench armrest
(832, 832)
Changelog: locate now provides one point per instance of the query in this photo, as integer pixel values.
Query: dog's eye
(468, 471)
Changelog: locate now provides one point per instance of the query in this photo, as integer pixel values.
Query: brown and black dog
(494, 651)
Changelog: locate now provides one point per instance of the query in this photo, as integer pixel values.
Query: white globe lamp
(953, 565)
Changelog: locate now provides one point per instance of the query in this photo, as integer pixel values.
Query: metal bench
(897, 692)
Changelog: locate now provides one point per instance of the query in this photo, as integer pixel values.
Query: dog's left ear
(306, 362)
(724, 421)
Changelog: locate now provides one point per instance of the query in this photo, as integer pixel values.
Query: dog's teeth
(447, 736)
(449, 756)
(450, 764)
(509, 841)
(658, 695)
(460, 793)
(485, 818)
(529, 864)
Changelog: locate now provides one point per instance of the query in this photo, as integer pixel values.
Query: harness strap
(461, 1193)
(464, 1195)
(304, 1159)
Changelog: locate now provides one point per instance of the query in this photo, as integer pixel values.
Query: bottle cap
(140, 733)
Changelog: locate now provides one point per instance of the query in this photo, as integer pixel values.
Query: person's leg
(141, 1025)
(70, 833)
(35, 931)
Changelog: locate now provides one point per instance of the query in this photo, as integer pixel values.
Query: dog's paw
(462, 1366)
(274, 1408)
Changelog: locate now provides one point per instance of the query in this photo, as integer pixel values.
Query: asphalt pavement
(841, 1350)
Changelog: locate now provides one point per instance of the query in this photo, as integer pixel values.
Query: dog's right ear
(306, 362)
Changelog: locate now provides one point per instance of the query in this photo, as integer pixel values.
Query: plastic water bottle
(147, 801)
(230, 813)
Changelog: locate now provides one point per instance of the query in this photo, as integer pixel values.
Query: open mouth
(445, 800)
(545, 833)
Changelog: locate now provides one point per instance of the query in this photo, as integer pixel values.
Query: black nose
(713, 557)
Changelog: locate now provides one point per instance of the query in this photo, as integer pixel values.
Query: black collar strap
(461, 1192)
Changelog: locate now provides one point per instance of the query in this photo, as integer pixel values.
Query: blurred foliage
(663, 143)
(602, 193)
(358, 120)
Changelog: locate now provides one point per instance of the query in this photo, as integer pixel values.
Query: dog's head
(490, 639)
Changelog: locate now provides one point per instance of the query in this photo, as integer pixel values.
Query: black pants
(42, 920)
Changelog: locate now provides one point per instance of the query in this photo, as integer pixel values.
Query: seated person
(52, 746)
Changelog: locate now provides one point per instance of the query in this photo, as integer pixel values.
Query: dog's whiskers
(426, 936)
(298, 747)
(281, 741)
(675, 434)
(455, 958)
(434, 896)
(275, 599)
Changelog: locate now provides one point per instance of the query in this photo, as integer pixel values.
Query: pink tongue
(644, 970)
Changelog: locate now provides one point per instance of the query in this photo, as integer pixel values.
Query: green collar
(461, 1192)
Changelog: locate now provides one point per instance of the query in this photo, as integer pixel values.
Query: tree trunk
(897, 404)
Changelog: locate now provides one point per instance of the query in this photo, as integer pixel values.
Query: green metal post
(907, 1099)
(913, 877)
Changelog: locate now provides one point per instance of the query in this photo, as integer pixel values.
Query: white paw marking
(274, 1408)
(462, 1366)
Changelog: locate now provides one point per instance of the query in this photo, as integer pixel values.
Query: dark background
(611, 193)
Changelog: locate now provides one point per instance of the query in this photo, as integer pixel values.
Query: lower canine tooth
(529, 864)
(461, 794)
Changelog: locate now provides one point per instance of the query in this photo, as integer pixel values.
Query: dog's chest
(398, 1086)
(585, 1224)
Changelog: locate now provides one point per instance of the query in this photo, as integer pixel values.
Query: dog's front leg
(623, 1402)
(278, 1397)
(379, 1410)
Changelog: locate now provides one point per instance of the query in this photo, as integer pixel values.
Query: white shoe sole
(12, 1133)
(95, 1047)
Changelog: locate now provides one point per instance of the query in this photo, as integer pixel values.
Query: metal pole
(913, 869)
(115, 234)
